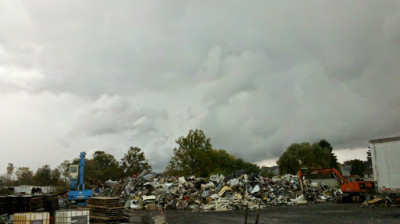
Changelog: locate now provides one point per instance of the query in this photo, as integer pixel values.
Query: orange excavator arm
(318, 171)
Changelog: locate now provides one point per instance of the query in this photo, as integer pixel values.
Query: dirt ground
(315, 213)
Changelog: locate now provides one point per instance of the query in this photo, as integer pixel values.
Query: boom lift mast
(77, 191)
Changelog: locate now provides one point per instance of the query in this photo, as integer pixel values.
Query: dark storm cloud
(255, 75)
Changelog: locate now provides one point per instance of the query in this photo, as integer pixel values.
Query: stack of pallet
(105, 210)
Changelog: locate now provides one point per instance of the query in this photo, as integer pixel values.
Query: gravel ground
(315, 213)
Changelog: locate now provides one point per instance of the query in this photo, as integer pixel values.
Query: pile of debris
(237, 191)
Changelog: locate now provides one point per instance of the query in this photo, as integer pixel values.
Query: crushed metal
(235, 192)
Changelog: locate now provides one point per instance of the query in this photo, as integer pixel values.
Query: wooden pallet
(91, 206)
(97, 219)
(96, 222)
(100, 214)
(104, 201)
(104, 218)
(105, 210)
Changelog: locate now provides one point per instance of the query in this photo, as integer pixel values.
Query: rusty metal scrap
(237, 191)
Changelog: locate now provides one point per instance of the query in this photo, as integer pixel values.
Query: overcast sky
(256, 76)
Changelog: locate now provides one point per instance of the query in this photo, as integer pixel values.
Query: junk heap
(237, 191)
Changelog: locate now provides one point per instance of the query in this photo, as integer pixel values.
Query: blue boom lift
(77, 192)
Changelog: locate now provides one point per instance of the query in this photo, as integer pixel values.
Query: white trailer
(385, 155)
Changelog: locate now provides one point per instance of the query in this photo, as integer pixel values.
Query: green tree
(192, 155)
(134, 161)
(222, 162)
(24, 175)
(56, 179)
(43, 176)
(303, 155)
(266, 172)
(101, 167)
(357, 167)
(225, 163)
(333, 163)
(107, 167)
(251, 168)
(8, 178)
(10, 170)
(64, 175)
(288, 162)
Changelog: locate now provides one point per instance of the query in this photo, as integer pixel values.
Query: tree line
(194, 155)
(318, 154)
(101, 167)
(304, 154)
(24, 175)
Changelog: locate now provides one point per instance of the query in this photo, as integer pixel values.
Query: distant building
(346, 170)
(29, 189)
(368, 172)
(275, 170)
(10, 188)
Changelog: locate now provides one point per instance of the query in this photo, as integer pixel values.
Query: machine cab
(73, 171)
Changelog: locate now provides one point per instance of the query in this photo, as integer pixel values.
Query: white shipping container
(385, 155)
(71, 216)
(31, 218)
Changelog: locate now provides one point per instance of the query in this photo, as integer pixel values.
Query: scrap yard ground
(315, 213)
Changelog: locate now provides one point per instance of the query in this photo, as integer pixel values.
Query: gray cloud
(112, 115)
(256, 76)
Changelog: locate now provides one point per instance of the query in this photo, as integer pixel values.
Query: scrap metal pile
(237, 191)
